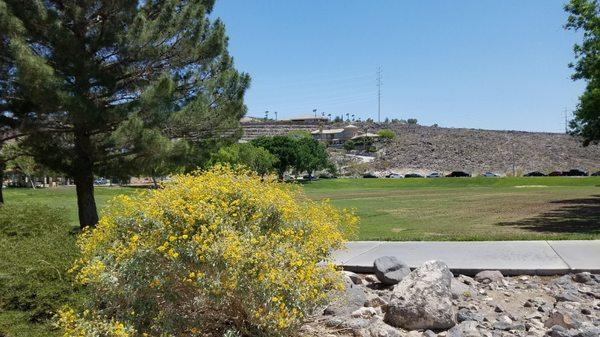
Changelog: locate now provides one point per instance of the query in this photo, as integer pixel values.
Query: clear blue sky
(478, 63)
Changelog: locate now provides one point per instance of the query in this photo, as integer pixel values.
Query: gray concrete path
(466, 257)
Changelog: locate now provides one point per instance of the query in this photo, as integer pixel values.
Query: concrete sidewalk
(510, 257)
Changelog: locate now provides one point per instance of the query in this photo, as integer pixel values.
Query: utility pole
(566, 121)
(266, 115)
(315, 112)
(276, 116)
(378, 94)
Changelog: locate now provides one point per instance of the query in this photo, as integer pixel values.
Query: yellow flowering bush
(213, 252)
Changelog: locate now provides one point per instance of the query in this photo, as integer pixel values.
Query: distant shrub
(253, 157)
(386, 134)
(219, 252)
(36, 251)
(412, 121)
(349, 145)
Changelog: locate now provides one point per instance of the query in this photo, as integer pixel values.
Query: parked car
(457, 174)
(534, 174)
(435, 175)
(369, 175)
(575, 173)
(555, 174)
(490, 174)
(413, 175)
(596, 174)
(101, 181)
(394, 176)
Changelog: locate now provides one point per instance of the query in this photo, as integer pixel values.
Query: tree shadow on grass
(581, 216)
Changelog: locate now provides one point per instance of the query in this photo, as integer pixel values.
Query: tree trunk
(86, 204)
(84, 181)
(154, 182)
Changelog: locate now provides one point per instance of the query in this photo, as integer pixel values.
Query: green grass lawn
(431, 209)
(469, 209)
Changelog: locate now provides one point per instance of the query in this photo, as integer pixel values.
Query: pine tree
(76, 71)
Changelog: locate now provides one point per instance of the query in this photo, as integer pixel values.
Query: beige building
(339, 136)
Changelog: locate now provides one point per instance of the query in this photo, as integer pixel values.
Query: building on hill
(309, 120)
(250, 119)
(336, 136)
(366, 135)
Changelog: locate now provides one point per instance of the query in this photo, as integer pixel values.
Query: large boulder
(351, 298)
(422, 300)
(389, 270)
(488, 276)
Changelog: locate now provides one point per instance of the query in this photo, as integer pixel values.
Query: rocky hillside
(426, 149)
(448, 149)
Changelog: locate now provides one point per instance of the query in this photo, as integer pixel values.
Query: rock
(466, 280)
(422, 300)
(348, 300)
(459, 289)
(380, 329)
(464, 329)
(504, 326)
(371, 278)
(562, 319)
(588, 332)
(353, 324)
(585, 278)
(505, 319)
(389, 270)
(488, 276)
(429, 333)
(558, 331)
(374, 301)
(365, 312)
(566, 296)
(355, 278)
(465, 314)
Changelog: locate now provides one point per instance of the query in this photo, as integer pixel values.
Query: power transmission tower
(379, 94)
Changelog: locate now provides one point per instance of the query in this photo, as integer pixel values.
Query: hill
(476, 151)
(429, 148)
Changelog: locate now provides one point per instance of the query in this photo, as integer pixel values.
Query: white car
(435, 175)
(395, 176)
(490, 174)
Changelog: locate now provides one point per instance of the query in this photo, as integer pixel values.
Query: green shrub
(386, 134)
(36, 251)
(225, 251)
(349, 145)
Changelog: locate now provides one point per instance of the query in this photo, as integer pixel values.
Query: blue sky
(477, 64)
